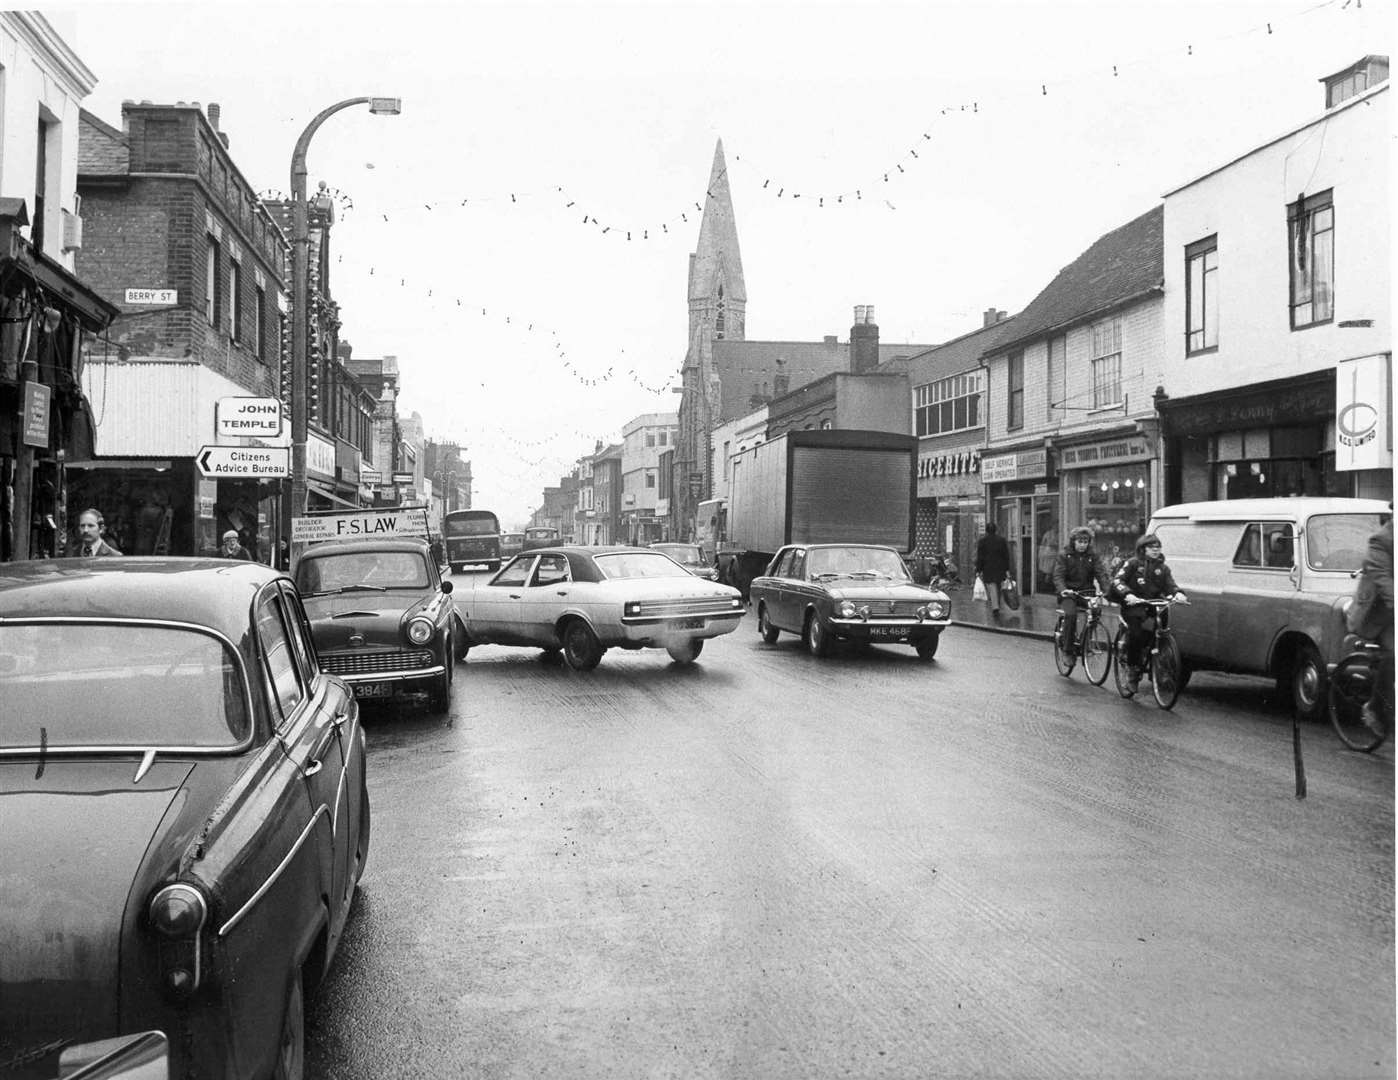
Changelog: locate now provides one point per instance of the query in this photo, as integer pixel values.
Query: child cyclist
(1076, 570)
(1142, 577)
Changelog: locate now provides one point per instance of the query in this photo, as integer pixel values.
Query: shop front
(1024, 499)
(1106, 485)
(950, 504)
(1281, 438)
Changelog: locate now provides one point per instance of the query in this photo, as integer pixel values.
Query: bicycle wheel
(1165, 672)
(1119, 662)
(1062, 654)
(1097, 654)
(1350, 686)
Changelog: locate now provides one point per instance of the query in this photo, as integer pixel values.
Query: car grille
(697, 605)
(370, 662)
(901, 609)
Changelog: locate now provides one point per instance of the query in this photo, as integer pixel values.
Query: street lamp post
(295, 502)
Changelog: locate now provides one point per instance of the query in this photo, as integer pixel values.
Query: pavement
(1035, 618)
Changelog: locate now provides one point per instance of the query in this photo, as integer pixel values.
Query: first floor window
(1106, 364)
(1311, 225)
(1014, 400)
(950, 404)
(1201, 295)
(213, 303)
(235, 300)
(259, 324)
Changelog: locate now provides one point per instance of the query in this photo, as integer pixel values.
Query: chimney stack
(991, 317)
(214, 114)
(863, 340)
(781, 381)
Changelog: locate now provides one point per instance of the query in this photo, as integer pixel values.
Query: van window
(1204, 540)
(1339, 541)
(1278, 549)
(1249, 551)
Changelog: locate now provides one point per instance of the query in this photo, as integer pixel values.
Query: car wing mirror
(447, 587)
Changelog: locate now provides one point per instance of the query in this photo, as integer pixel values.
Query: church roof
(716, 258)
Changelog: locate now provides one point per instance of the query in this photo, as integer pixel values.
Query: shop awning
(326, 492)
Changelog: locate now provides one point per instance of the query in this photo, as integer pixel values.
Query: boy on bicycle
(1076, 570)
(1371, 614)
(1143, 577)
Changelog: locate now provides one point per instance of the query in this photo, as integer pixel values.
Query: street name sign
(376, 524)
(152, 296)
(255, 416)
(244, 461)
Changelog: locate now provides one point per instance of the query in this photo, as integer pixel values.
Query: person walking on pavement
(992, 564)
(1076, 569)
(91, 544)
(1143, 577)
(233, 547)
(1371, 614)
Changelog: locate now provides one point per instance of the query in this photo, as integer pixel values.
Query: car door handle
(314, 767)
(514, 596)
(562, 592)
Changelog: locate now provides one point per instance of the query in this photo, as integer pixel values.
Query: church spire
(716, 263)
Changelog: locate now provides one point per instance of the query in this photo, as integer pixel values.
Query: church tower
(717, 310)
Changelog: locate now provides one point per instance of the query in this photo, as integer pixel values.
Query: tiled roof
(102, 149)
(1125, 263)
(959, 354)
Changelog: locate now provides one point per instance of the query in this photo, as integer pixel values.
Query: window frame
(235, 301)
(941, 397)
(1306, 209)
(1205, 306)
(1014, 396)
(213, 299)
(1101, 336)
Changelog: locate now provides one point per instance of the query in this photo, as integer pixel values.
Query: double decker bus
(472, 537)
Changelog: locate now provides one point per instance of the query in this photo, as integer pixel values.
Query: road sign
(152, 296)
(266, 462)
(366, 524)
(402, 478)
(256, 416)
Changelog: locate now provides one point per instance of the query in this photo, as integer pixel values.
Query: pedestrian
(233, 547)
(91, 525)
(1370, 615)
(1076, 570)
(992, 564)
(1142, 577)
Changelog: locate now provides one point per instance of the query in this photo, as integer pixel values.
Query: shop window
(1057, 376)
(1311, 230)
(1201, 295)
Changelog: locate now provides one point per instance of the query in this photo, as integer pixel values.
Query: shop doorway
(1029, 524)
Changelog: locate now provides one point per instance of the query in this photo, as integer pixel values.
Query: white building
(644, 439)
(1278, 310)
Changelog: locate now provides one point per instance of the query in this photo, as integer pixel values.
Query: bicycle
(1093, 643)
(1164, 666)
(1351, 686)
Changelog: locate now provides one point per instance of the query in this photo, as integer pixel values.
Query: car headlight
(178, 911)
(845, 609)
(420, 631)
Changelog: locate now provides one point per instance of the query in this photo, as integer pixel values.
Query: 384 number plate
(373, 690)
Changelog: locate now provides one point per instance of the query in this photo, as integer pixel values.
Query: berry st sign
(256, 416)
(262, 462)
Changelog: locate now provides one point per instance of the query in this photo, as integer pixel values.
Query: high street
(766, 865)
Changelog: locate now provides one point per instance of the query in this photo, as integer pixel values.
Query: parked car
(1267, 581)
(186, 808)
(581, 601)
(690, 556)
(383, 617)
(852, 592)
(511, 544)
(539, 536)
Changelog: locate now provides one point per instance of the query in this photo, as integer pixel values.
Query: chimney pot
(214, 112)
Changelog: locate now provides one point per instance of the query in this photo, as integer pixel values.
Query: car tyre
(927, 647)
(581, 649)
(439, 697)
(1309, 692)
(764, 626)
(685, 652)
(462, 640)
(291, 1046)
(816, 637)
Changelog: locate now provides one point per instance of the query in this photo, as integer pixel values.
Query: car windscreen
(118, 685)
(639, 564)
(1339, 541)
(372, 570)
(855, 561)
(470, 527)
(684, 554)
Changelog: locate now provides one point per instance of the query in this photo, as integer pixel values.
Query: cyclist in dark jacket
(1143, 577)
(1076, 570)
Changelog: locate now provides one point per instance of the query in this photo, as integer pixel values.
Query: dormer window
(1354, 79)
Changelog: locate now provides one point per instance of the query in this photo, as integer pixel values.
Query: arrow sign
(264, 462)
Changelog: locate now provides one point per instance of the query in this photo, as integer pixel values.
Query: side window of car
(516, 573)
(798, 563)
(278, 654)
(783, 564)
(1249, 551)
(1277, 545)
(551, 570)
(299, 627)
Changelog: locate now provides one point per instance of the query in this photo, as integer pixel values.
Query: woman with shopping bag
(992, 566)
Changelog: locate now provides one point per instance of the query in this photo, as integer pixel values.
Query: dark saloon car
(185, 814)
(382, 617)
(852, 592)
(690, 556)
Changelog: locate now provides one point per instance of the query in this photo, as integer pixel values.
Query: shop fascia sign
(1092, 455)
(958, 463)
(320, 456)
(1025, 465)
(258, 417)
(1362, 418)
(366, 524)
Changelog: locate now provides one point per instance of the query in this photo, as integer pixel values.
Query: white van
(1267, 581)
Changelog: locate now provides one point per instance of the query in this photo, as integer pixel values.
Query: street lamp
(295, 502)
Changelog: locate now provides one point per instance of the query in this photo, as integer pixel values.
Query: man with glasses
(1143, 577)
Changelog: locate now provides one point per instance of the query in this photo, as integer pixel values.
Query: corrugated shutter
(872, 492)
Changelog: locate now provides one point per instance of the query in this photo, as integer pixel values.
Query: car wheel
(1309, 693)
(439, 697)
(581, 649)
(927, 647)
(764, 626)
(817, 638)
(365, 830)
(462, 640)
(291, 1047)
(685, 652)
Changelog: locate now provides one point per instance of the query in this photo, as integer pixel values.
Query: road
(769, 866)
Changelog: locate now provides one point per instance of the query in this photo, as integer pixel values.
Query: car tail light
(631, 608)
(178, 913)
(420, 631)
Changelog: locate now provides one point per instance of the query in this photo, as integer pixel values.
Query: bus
(472, 537)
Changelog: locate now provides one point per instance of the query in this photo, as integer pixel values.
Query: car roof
(1302, 506)
(216, 593)
(338, 547)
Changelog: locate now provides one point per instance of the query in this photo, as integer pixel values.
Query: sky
(519, 236)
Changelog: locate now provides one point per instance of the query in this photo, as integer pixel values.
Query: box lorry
(817, 487)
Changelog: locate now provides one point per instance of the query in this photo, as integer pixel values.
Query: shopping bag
(1009, 593)
(978, 589)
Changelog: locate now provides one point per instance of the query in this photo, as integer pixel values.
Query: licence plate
(373, 690)
(687, 624)
(891, 633)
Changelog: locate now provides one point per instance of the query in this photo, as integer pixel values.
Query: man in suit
(90, 542)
